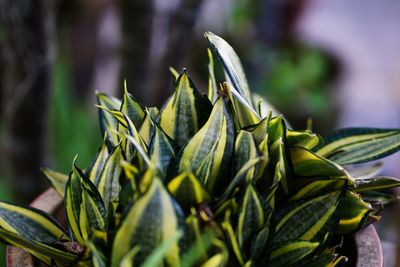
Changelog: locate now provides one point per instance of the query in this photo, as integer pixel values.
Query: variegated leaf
(107, 121)
(151, 220)
(58, 180)
(162, 151)
(132, 108)
(291, 252)
(376, 183)
(251, 219)
(185, 112)
(108, 182)
(212, 83)
(94, 171)
(357, 145)
(146, 130)
(245, 150)
(188, 190)
(209, 152)
(309, 220)
(305, 139)
(354, 213)
(306, 163)
(44, 252)
(31, 224)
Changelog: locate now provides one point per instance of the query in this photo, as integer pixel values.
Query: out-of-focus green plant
(72, 123)
(216, 180)
(298, 77)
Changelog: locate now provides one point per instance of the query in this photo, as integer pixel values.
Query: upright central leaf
(209, 152)
(185, 112)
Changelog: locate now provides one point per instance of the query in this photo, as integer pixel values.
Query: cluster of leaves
(216, 180)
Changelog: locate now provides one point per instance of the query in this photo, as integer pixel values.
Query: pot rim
(368, 245)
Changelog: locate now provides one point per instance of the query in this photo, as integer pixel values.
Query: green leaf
(354, 212)
(309, 220)
(40, 250)
(220, 258)
(231, 238)
(108, 182)
(279, 160)
(306, 163)
(92, 214)
(73, 201)
(98, 258)
(95, 169)
(209, 152)
(147, 127)
(30, 224)
(158, 255)
(357, 145)
(185, 112)
(291, 252)
(151, 220)
(245, 150)
(132, 108)
(305, 139)
(376, 183)
(188, 190)
(163, 151)
(107, 121)
(78, 185)
(317, 188)
(232, 65)
(212, 83)
(58, 180)
(251, 219)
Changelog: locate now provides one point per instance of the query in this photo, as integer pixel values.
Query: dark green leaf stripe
(58, 180)
(132, 108)
(152, 220)
(291, 252)
(309, 220)
(185, 112)
(357, 145)
(208, 153)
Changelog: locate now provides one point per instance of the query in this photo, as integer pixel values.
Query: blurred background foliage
(300, 55)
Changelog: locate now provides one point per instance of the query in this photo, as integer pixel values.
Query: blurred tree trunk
(179, 35)
(28, 60)
(136, 20)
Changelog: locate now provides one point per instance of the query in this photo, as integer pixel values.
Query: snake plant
(209, 180)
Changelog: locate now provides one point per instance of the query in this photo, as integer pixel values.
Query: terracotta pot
(367, 252)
